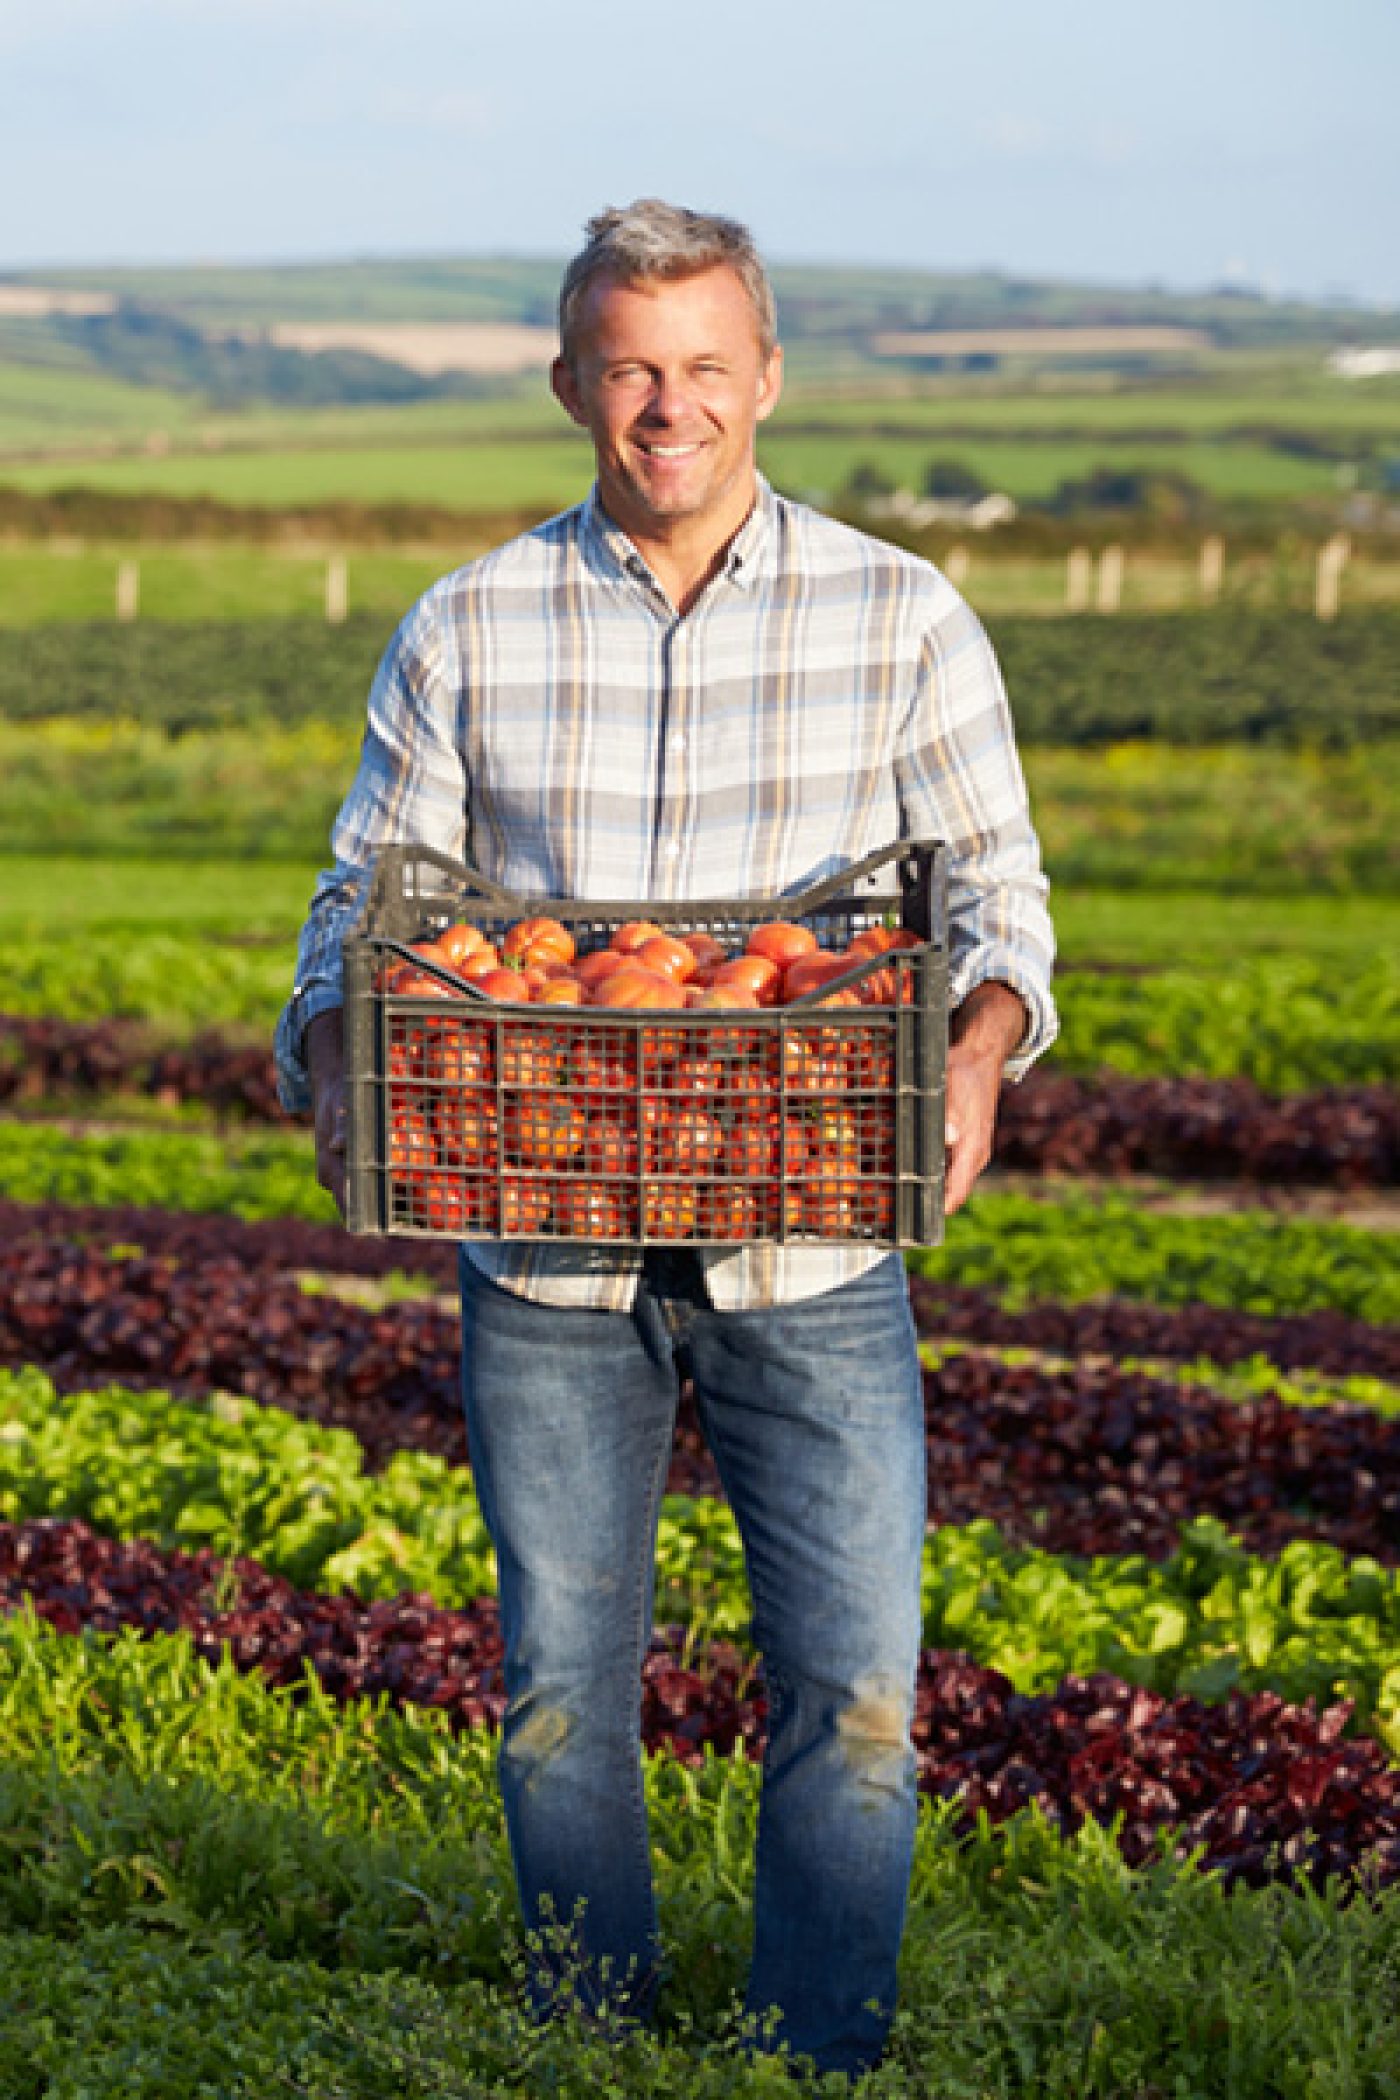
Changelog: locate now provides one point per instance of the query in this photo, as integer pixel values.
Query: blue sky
(1255, 140)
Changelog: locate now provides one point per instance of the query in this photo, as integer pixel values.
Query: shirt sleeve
(410, 789)
(960, 780)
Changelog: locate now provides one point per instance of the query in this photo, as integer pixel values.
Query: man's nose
(670, 397)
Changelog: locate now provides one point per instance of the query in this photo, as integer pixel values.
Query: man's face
(671, 384)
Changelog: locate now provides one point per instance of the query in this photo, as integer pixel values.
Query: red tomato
(589, 1210)
(635, 987)
(667, 957)
(627, 939)
(525, 1205)
(538, 941)
(670, 1210)
(782, 942)
(543, 1128)
(751, 973)
(531, 1055)
(705, 948)
(466, 1128)
(460, 942)
(810, 972)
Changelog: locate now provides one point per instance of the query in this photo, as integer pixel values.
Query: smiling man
(671, 379)
(691, 687)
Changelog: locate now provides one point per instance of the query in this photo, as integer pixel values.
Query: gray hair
(654, 241)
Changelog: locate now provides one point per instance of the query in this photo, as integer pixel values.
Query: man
(689, 686)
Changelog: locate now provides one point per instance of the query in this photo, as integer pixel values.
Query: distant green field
(1312, 401)
(486, 476)
(548, 474)
(50, 410)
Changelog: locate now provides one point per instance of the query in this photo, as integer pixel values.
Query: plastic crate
(473, 1118)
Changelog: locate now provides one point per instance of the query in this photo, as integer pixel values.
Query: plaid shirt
(544, 714)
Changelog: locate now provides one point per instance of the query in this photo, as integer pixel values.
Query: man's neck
(685, 554)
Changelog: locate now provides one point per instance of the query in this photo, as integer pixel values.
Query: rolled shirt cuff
(1000, 966)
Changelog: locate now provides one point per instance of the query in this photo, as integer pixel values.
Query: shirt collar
(747, 557)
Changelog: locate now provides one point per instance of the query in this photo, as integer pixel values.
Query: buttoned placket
(668, 843)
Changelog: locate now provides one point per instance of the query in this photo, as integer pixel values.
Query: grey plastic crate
(474, 1118)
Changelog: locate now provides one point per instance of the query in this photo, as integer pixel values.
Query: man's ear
(563, 381)
(770, 385)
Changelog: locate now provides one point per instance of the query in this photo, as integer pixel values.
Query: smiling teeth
(669, 451)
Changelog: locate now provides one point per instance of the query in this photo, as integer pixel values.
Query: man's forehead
(614, 301)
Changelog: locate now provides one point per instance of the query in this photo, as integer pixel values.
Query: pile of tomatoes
(595, 1129)
(642, 966)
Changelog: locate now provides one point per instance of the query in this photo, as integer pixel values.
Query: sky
(1248, 141)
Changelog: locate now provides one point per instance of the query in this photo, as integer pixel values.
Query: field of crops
(249, 1648)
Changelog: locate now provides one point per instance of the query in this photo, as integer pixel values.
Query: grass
(63, 580)
(48, 410)
(214, 1889)
(1177, 925)
(481, 476)
(52, 895)
(494, 474)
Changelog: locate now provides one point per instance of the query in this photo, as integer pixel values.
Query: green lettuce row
(174, 981)
(213, 1888)
(257, 1174)
(243, 1479)
(1022, 1246)
(1286, 1022)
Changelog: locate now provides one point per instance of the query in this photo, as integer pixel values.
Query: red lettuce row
(1261, 1790)
(1200, 1130)
(1326, 1341)
(286, 1246)
(1204, 1129)
(1082, 1459)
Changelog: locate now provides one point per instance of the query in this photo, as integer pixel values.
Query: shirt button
(673, 851)
(678, 742)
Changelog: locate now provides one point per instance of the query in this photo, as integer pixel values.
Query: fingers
(330, 1150)
(967, 1153)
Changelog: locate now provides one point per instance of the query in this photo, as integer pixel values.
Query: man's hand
(983, 1033)
(325, 1059)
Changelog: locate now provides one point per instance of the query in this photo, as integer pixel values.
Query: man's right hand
(325, 1060)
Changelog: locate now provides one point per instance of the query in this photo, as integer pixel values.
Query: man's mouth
(667, 451)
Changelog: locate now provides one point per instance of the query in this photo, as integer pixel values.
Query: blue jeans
(814, 1414)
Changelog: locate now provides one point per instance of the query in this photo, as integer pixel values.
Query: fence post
(1212, 567)
(128, 589)
(1078, 571)
(957, 567)
(337, 589)
(1332, 558)
(1110, 591)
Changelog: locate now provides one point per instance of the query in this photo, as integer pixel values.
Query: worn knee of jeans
(535, 1733)
(872, 1730)
(869, 1720)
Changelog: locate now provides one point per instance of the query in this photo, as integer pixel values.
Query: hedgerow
(1239, 672)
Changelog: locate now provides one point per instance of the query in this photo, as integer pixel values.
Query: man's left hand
(984, 1032)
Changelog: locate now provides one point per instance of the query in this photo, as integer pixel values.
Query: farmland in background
(249, 1663)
